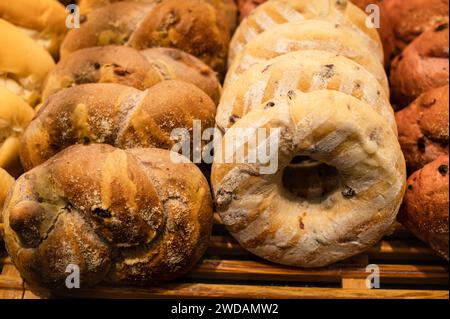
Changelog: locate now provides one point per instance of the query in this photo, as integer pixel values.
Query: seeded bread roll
(422, 66)
(413, 17)
(43, 20)
(128, 217)
(424, 128)
(114, 114)
(127, 66)
(193, 26)
(15, 115)
(425, 208)
(23, 63)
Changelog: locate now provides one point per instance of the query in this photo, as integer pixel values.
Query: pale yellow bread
(6, 182)
(44, 20)
(306, 71)
(308, 35)
(273, 223)
(23, 63)
(274, 12)
(15, 115)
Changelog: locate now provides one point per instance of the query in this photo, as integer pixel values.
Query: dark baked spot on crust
(443, 169)
(102, 213)
(96, 65)
(410, 187)
(421, 144)
(291, 94)
(86, 140)
(234, 118)
(269, 105)
(441, 27)
(348, 192)
(300, 223)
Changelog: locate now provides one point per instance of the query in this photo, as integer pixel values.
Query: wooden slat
(254, 292)
(264, 271)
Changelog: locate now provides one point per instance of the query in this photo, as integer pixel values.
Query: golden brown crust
(424, 128)
(411, 18)
(425, 207)
(127, 66)
(123, 216)
(114, 114)
(422, 66)
(193, 26)
(43, 20)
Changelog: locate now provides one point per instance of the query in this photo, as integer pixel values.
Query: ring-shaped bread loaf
(308, 35)
(331, 128)
(307, 70)
(274, 12)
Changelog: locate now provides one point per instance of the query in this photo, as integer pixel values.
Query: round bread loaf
(276, 12)
(114, 114)
(413, 17)
(425, 208)
(342, 137)
(308, 35)
(43, 20)
(23, 63)
(422, 66)
(306, 71)
(224, 7)
(424, 128)
(193, 26)
(129, 217)
(127, 66)
(15, 115)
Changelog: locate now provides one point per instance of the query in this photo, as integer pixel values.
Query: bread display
(128, 217)
(23, 63)
(114, 114)
(330, 128)
(193, 26)
(44, 20)
(424, 128)
(425, 207)
(6, 181)
(277, 12)
(309, 35)
(422, 66)
(127, 66)
(15, 115)
(305, 70)
(413, 17)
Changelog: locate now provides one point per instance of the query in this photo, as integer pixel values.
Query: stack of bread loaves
(419, 81)
(309, 74)
(131, 212)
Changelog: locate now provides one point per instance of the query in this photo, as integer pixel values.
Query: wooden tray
(408, 269)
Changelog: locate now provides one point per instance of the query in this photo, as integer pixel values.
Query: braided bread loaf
(122, 216)
(114, 114)
(23, 63)
(314, 96)
(15, 115)
(127, 66)
(193, 26)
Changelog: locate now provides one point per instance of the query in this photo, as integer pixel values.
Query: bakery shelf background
(408, 269)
